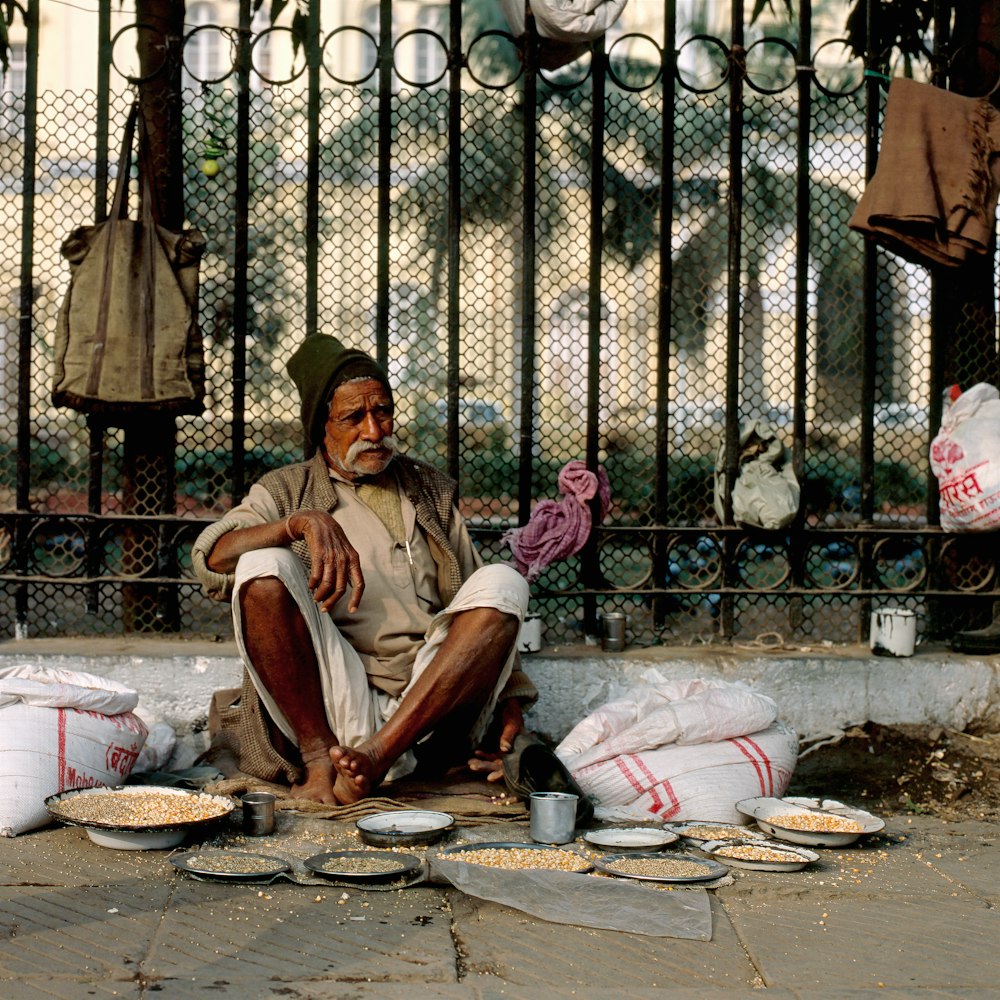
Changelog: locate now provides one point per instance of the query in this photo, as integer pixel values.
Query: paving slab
(899, 942)
(558, 959)
(219, 932)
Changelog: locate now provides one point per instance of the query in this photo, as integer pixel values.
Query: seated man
(371, 634)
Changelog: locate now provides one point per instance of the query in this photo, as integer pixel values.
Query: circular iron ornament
(891, 566)
(58, 548)
(693, 562)
(6, 544)
(183, 543)
(725, 64)
(136, 26)
(359, 79)
(656, 63)
(817, 71)
(781, 43)
(834, 565)
(752, 552)
(949, 62)
(954, 553)
(561, 79)
(225, 33)
(626, 566)
(493, 32)
(129, 550)
(296, 71)
(427, 83)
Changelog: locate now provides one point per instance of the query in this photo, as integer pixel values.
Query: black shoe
(531, 766)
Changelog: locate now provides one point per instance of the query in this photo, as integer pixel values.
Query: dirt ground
(894, 770)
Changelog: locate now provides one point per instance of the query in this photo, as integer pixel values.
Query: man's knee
(264, 594)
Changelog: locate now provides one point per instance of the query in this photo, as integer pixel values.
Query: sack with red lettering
(680, 750)
(60, 729)
(965, 458)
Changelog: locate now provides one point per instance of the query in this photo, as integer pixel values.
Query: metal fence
(623, 261)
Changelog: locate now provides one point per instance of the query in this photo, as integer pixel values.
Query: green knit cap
(319, 365)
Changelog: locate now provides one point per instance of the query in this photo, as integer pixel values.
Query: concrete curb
(818, 690)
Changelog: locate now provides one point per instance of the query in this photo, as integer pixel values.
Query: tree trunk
(150, 439)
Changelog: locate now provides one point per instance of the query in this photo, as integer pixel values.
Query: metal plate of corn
(812, 822)
(760, 855)
(363, 866)
(515, 856)
(138, 807)
(677, 868)
(236, 865)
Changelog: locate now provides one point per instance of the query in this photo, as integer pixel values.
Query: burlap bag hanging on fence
(128, 339)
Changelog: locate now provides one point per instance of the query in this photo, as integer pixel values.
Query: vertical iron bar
(454, 228)
(384, 180)
(313, 54)
(241, 250)
(734, 320)
(937, 610)
(869, 298)
(96, 426)
(26, 315)
(665, 302)
(589, 556)
(527, 328)
(803, 257)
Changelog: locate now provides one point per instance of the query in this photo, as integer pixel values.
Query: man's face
(358, 439)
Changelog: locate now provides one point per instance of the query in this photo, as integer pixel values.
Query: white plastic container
(893, 632)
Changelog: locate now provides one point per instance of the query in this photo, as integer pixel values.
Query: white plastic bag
(680, 750)
(766, 494)
(965, 458)
(60, 729)
(565, 20)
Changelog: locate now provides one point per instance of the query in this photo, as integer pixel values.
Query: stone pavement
(911, 912)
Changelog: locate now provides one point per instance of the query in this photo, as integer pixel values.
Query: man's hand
(511, 725)
(336, 566)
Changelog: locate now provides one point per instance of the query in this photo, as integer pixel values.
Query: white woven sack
(702, 781)
(965, 458)
(60, 729)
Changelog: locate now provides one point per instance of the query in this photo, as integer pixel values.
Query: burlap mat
(470, 800)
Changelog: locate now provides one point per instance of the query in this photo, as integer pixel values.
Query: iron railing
(495, 233)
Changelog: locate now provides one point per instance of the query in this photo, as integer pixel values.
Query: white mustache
(388, 443)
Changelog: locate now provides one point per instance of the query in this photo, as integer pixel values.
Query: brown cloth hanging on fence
(933, 197)
(128, 340)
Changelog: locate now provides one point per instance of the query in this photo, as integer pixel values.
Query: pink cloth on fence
(558, 529)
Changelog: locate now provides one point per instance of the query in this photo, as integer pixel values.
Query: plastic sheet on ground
(586, 901)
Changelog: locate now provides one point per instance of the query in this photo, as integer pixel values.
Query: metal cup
(258, 813)
(553, 817)
(613, 632)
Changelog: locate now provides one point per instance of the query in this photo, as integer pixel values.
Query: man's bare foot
(359, 770)
(318, 784)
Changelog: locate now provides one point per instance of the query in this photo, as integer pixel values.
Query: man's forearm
(228, 549)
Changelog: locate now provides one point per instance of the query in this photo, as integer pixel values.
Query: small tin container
(553, 817)
(613, 631)
(258, 814)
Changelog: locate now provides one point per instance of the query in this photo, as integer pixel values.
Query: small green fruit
(210, 167)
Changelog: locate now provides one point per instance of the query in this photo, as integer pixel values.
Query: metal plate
(712, 869)
(506, 845)
(225, 803)
(208, 864)
(347, 871)
(761, 808)
(404, 828)
(804, 857)
(621, 839)
(745, 833)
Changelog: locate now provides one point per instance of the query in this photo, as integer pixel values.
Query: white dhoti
(355, 711)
